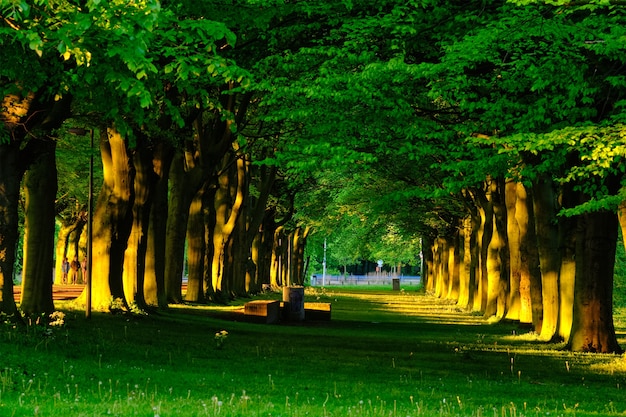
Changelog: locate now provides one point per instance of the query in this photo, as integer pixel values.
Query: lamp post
(83, 132)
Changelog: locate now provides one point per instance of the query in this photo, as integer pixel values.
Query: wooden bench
(317, 311)
(266, 311)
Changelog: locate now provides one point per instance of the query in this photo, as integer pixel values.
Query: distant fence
(319, 280)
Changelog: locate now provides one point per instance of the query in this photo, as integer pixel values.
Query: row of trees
(494, 132)
(175, 110)
(490, 129)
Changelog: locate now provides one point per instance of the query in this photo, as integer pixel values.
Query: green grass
(383, 353)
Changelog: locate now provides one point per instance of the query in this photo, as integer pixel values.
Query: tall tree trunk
(567, 273)
(531, 306)
(195, 251)
(154, 283)
(135, 253)
(513, 240)
(296, 263)
(229, 199)
(112, 221)
(454, 265)
(10, 178)
(464, 258)
(182, 190)
(497, 254)
(593, 329)
(428, 262)
(485, 232)
(276, 264)
(441, 261)
(263, 178)
(545, 210)
(40, 183)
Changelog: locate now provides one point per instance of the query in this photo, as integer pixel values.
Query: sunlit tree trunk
(240, 253)
(474, 262)
(298, 242)
(465, 258)
(264, 249)
(40, 186)
(593, 329)
(112, 221)
(154, 283)
(545, 210)
(485, 232)
(531, 306)
(441, 261)
(513, 240)
(567, 273)
(182, 190)
(135, 253)
(195, 250)
(276, 264)
(454, 266)
(228, 203)
(264, 178)
(497, 253)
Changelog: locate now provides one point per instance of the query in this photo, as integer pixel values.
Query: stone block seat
(264, 311)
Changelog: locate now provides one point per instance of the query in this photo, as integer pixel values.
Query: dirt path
(59, 292)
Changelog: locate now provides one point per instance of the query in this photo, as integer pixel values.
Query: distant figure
(83, 268)
(75, 265)
(65, 268)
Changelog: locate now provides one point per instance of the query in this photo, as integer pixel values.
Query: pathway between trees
(59, 292)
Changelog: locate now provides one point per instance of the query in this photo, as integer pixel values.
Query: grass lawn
(384, 353)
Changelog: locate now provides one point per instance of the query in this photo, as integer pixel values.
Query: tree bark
(137, 245)
(195, 251)
(531, 306)
(112, 222)
(154, 283)
(40, 184)
(229, 199)
(182, 190)
(513, 240)
(545, 210)
(593, 329)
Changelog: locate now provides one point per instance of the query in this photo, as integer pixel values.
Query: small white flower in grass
(220, 338)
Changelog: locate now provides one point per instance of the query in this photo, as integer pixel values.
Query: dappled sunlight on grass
(383, 353)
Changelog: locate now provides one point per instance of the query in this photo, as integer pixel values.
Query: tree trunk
(276, 266)
(195, 251)
(298, 242)
(531, 307)
(513, 240)
(112, 222)
(545, 210)
(567, 273)
(485, 232)
(229, 199)
(9, 195)
(464, 227)
(40, 183)
(454, 265)
(182, 190)
(497, 254)
(137, 245)
(593, 329)
(154, 282)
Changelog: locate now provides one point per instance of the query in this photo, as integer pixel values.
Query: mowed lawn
(384, 353)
